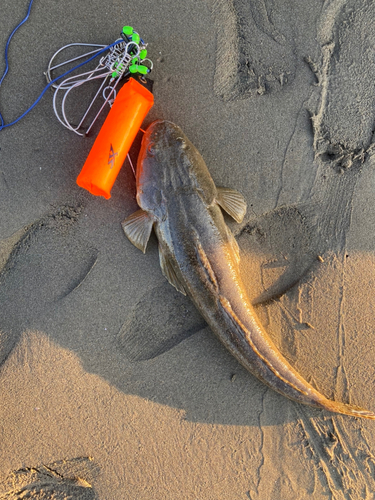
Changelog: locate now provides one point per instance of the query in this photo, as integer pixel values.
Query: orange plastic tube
(115, 138)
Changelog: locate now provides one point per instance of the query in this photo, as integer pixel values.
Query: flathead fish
(200, 257)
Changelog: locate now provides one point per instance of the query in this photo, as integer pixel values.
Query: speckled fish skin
(200, 257)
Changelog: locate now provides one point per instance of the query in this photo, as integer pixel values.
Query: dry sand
(111, 385)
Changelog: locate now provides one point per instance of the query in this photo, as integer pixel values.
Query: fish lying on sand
(200, 257)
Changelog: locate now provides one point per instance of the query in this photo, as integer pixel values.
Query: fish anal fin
(169, 272)
(232, 202)
(137, 228)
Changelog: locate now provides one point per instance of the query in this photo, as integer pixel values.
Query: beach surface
(112, 386)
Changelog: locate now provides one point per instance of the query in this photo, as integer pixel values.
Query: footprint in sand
(63, 480)
(254, 56)
(138, 338)
(346, 75)
(39, 265)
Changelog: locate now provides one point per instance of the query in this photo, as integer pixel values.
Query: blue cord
(9, 39)
(2, 125)
(6, 53)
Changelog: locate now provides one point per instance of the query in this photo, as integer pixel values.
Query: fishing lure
(126, 57)
(123, 60)
(127, 60)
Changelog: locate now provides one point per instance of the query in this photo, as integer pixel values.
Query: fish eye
(181, 141)
(151, 149)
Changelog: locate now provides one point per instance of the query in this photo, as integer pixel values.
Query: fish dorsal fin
(232, 202)
(138, 227)
(169, 272)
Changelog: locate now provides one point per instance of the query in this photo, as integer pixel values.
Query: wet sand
(112, 386)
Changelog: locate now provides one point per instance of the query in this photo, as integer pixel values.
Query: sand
(111, 385)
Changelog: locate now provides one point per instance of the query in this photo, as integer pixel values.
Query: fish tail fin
(346, 409)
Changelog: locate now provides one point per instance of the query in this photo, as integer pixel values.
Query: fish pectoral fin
(138, 227)
(169, 272)
(232, 202)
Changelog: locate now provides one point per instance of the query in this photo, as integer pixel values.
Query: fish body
(200, 257)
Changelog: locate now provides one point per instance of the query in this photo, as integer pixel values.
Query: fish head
(163, 136)
(168, 163)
